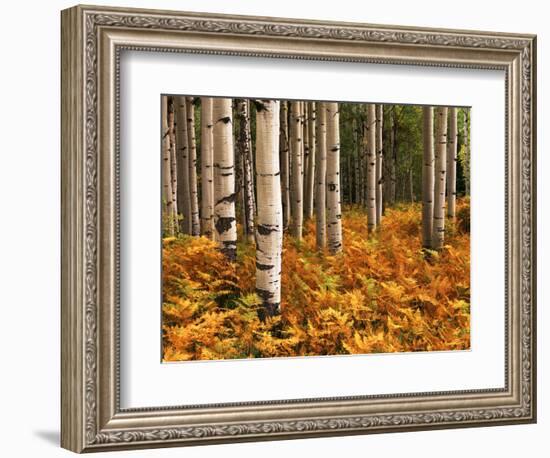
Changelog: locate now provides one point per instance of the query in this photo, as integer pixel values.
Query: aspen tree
(438, 235)
(427, 177)
(183, 165)
(296, 188)
(310, 181)
(166, 176)
(379, 162)
(192, 163)
(207, 170)
(466, 163)
(371, 166)
(320, 177)
(305, 155)
(270, 211)
(173, 159)
(224, 178)
(451, 162)
(393, 153)
(284, 159)
(245, 147)
(334, 212)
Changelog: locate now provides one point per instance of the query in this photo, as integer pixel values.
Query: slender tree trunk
(193, 191)
(308, 204)
(320, 178)
(296, 188)
(305, 156)
(270, 210)
(285, 169)
(334, 211)
(452, 141)
(359, 164)
(371, 166)
(393, 144)
(379, 162)
(207, 170)
(173, 159)
(168, 203)
(427, 177)
(224, 178)
(438, 236)
(466, 165)
(411, 181)
(184, 198)
(245, 148)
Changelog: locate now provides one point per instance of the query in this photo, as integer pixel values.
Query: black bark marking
(229, 250)
(225, 120)
(228, 199)
(264, 266)
(266, 229)
(260, 106)
(224, 223)
(335, 148)
(331, 187)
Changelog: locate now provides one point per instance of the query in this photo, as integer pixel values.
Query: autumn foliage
(383, 293)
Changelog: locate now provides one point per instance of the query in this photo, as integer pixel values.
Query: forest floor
(382, 294)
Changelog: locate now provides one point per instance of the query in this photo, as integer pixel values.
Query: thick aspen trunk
(379, 162)
(320, 178)
(310, 180)
(427, 177)
(270, 211)
(452, 141)
(371, 166)
(224, 178)
(193, 191)
(305, 156)
(438, 236)
(207, 170)
(334, 212)
(285, 166)
(296, 188)
(245, 149)
(168, 203)
(173, 159)
(184, 198)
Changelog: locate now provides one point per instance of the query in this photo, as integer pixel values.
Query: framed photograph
(277, 228)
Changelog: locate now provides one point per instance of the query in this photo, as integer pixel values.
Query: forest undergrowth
(383, 293)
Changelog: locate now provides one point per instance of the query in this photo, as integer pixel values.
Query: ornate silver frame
(92, 39)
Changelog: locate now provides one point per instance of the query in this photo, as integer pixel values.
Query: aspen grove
(294, 228)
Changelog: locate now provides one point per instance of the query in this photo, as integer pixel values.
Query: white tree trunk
(310, 181)
(270, 210)
(173, 159)
(438, 236)
(224, 178)
(320, 177)
(183, 165)
(296, 188)
(452, 143)
(466, 163)
(285, 165)
(334, 211)
(379, 162)
(193, 190)
(166, 175)
(427, 177)
(371, 166)
(207, 168)
(246, 155)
